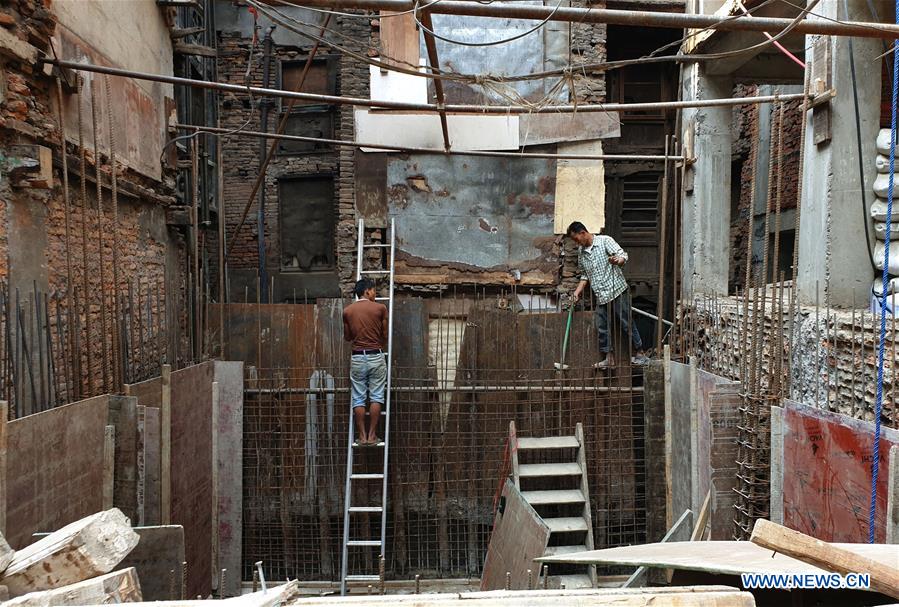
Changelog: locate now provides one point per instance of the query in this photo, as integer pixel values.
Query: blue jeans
(368, 377)
(619, 307)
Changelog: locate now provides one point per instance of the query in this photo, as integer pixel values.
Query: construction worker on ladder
(365, 325)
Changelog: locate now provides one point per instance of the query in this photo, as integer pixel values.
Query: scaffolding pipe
(424, 107)
(397, 148)
(860, 29)
(469, 389)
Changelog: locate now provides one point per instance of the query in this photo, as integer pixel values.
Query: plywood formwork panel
(827, 474)
(192, 465)
(56, 474)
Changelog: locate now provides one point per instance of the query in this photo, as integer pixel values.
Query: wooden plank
(108, 467)
(549, 442)
(149, 448)
(728, 558)
(159, 551)
(51, 483)
(165, 447)
(123, 415)
(519, 536)
(399, 39)
(682, 596)
(4, 417)
(228, 429)
(536, 470)
(86, 548)
(830, 557)
(702, 519)
(116, 587)
(273, 597)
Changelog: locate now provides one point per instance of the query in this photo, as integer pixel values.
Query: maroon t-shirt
(363, 324)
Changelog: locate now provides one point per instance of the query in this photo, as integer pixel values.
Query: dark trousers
(620, 309)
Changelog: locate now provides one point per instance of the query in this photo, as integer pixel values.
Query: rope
(878, 404)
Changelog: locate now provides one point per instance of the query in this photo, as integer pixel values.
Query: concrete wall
(705, 215)
(833, 258)
(133, 36)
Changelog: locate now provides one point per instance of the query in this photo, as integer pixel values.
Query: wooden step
(550, 442)
(542, 498)
(566, 524)
(556, 550)
(574, 581)
(536, 470)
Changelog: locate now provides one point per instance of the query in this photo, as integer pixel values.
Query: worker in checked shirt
(599, 262)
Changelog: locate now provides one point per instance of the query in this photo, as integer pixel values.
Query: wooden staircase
(551, 473)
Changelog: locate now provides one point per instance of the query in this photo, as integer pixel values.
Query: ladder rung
(359, 445)
(372, 543)
(366, 477)
(375, 272)
(382, 299)
(372, 246)
(362, 578)
(364, 509)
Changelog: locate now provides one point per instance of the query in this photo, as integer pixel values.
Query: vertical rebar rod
(84, 256)
(37, 337)
(67, 350)
(750, 225)
(854, 367)
(102, 273)
(195, 244)
(117, 353)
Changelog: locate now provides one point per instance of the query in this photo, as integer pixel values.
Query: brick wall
(241, 156)
(34, 248)
(745, 121)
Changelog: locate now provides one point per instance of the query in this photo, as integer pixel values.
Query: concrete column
(705, 247)
(832, 251)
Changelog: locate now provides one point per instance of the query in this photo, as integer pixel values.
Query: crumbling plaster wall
(35, 250)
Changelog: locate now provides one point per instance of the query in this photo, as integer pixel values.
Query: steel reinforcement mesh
(475, 373)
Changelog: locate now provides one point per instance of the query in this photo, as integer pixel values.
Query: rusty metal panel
(827, 474)
(465, 220)
(54, 469)
(192, 470)
(270, 335)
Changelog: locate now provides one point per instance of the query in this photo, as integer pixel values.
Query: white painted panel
(396, 86)
(467, 132)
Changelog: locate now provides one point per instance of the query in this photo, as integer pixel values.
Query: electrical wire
(858, 142)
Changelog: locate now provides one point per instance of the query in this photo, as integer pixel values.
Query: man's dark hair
(363, 285)
(576, 227)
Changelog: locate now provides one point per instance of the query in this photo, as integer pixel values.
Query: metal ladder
(350, 510)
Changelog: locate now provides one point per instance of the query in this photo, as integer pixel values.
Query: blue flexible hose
(881, 344)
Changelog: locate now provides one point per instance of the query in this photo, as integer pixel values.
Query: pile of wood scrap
(76, 565)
